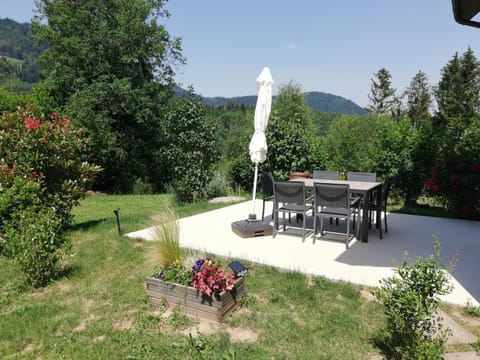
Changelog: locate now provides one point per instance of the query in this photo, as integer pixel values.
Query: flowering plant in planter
(206, 276)
(210, 278)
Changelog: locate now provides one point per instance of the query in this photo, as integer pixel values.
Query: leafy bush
(142, 187)
(472, 309)
(241, 172)
(46, 152)
(42, 176)
(188, 150)
(218, 186)
(39, 244)
(411, 301)
(456, 183)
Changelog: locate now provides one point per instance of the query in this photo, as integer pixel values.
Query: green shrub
(472, 309)
(188, 150)
(46, 151)
(39, 244)
(42, 176)
(456, 183)
(241, 172)
(218, 186)
(413, 329)
(142, 187)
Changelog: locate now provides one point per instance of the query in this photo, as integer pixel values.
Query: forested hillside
(19, 69)
(318, 101)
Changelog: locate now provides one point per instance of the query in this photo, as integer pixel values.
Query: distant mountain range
(319, 101)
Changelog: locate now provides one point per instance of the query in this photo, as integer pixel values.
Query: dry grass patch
(209, 328)
(125, 324)
(83, 323)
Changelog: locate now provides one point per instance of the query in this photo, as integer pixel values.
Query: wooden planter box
(193, 302)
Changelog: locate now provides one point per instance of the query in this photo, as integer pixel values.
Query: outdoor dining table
(363, 188)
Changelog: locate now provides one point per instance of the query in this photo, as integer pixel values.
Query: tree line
(110, 68)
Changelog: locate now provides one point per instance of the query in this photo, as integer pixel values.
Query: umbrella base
(248, 228)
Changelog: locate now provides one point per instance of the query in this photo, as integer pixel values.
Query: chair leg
(275, 223)
(303, 222)
(263, 209)
(380, 228)
(385, 217)
(348, 232)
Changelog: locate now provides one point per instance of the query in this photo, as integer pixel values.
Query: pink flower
(211, 279)
(31, 123)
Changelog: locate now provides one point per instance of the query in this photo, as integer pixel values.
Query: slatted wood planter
(193, 302)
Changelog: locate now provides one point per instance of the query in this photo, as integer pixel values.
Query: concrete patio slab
(362, 263)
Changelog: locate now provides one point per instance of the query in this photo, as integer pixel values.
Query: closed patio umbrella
(258, 143)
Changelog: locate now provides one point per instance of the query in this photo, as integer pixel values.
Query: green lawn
(97, 307)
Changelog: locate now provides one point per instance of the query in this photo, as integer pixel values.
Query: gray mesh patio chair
(361, 176)
(289, 197)
(332, 200)
(329, 175)
(326, 174)
(367, 177)
(267, 190)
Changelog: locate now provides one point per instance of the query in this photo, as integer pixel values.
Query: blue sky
(329, 46)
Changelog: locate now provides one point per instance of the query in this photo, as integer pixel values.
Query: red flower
(428, 184)
(465, 209)
(31, 123)
(65, 122)
(475, 167)
(436, 188)
(211, 279)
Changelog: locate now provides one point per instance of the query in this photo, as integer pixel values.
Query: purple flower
(198, 265)
(161, 275)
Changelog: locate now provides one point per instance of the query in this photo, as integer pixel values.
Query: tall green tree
(458, 91)
(288, 132)
(187, 151)
(419, 100)
(455, 177)
(110, 66)
(383, 100)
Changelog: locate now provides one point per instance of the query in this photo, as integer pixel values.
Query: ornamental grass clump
(167, 237)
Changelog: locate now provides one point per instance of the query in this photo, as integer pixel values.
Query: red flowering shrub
(41, 172)
(456, 183)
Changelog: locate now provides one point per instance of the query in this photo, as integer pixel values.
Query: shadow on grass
(379, 341)
(86, 225)
(67, 272)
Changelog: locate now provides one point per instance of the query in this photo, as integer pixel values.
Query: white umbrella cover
(258, 144)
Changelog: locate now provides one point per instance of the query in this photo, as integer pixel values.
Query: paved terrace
(362, 263)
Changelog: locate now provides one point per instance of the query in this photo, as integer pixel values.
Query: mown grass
(97, 307)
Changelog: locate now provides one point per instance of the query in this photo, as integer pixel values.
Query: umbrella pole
(253, 215)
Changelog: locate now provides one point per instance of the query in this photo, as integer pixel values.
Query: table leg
(378, 217)
(365, 221)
